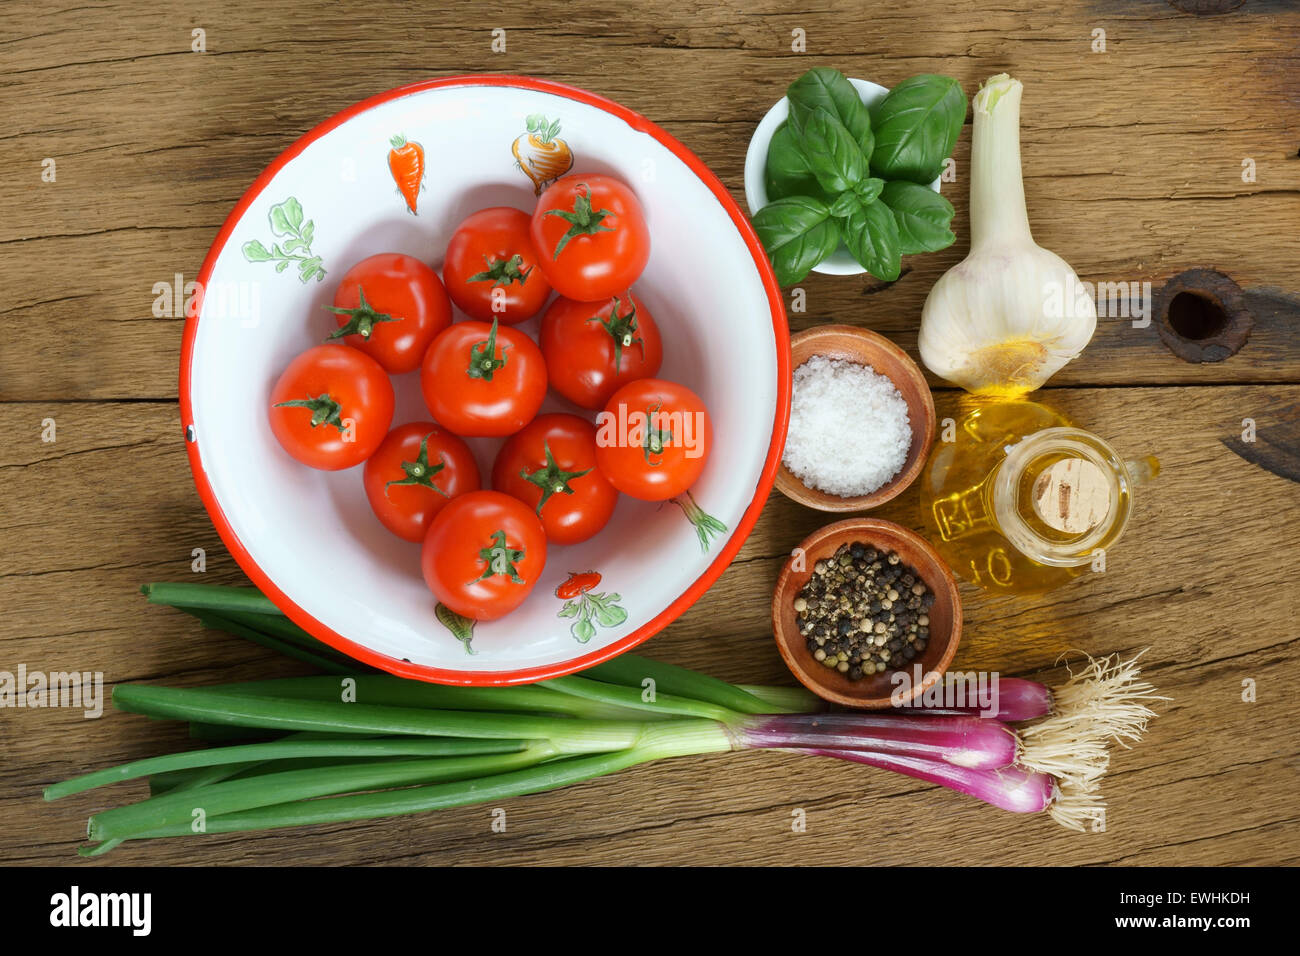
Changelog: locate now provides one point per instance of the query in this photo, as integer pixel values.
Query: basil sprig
(838, 172)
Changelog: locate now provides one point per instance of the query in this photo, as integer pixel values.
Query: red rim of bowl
(684, 600)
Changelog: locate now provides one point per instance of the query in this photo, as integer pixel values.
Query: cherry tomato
(391, 306)
(414, 473)
(331, 407)
(591, 237)
(483, 554)
(653, 439)
(593, 348)
(491, 269)
(551, 467)
(482, 380)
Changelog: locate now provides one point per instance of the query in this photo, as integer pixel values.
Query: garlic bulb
(1011, 314)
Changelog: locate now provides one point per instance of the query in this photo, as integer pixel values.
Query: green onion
(793, 700)
(399, 692)
(678, 738)
(229, 796)
(383, 747)
(391, 746)
(221, 622)
(573, 734)
(215, 597)
(661, 705)
(633, 671)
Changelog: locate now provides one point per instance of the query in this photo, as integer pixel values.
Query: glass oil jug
(1022, 501)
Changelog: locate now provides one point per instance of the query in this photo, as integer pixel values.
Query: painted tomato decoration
(577, 584)
(483, 380)
(653, 439)
(417, 469)
(594, 348)
(331, 407)
(483, 554)
(591, 237)
(391, 306)
(491, 269)
(551, 466)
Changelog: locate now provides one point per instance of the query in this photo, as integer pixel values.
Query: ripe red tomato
(391, 306)
(591, 237)
(491, 269)
(482, 380)
(551, 467)
(483, 554)
(331, 407)
(653, 439)
(414, 473)
(594, 348)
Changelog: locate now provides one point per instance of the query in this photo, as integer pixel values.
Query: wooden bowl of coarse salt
(861, 420)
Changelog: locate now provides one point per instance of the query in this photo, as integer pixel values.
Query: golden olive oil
(1018, 500)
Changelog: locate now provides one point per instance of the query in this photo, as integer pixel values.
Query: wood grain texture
(1133, 162)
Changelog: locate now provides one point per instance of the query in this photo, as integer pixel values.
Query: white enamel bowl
(308, 538)
(841, 261)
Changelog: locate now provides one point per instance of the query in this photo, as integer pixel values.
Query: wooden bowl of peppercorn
(833, 603)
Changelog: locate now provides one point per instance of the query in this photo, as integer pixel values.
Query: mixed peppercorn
(864, 611)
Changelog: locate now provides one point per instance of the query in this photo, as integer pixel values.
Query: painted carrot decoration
(406, 163)
(540, 153)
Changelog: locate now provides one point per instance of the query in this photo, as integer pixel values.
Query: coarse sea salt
(849, 428)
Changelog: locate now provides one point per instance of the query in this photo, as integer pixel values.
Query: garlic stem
(1007, 317)
(997, 196)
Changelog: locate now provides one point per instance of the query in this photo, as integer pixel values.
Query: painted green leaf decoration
(254, 251)
(462, 628)
(286, 221)
(610, 615)
(286, 218)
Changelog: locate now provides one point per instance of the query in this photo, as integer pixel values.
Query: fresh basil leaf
(787, 173)
(923, 217)
(797, 232)
(916, 127)
(825, 88)
(844, 204)
(868, 191)
(871, 234)
(833, 155)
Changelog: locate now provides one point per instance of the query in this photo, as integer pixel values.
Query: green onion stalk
(356, 744)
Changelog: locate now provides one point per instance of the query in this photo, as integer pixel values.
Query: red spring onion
(971, 742)
(1011, 788)
(1017, 700)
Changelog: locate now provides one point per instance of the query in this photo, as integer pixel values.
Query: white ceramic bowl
(841, 261)
(308, 538)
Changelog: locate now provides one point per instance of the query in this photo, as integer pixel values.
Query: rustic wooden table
(1136, 168)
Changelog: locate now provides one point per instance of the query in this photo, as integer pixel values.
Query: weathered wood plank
(1210, 603)
(1132, 156)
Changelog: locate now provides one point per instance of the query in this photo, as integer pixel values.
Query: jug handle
(1142, 470)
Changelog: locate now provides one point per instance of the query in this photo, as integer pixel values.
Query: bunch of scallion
(357, 744)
